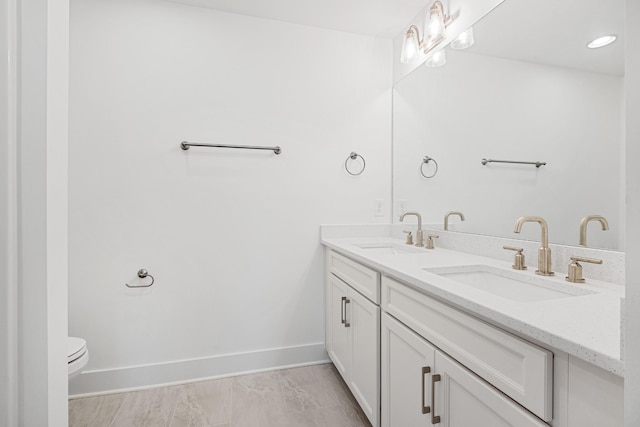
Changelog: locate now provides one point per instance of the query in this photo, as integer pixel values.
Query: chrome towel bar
(537, 164)
(186, 145)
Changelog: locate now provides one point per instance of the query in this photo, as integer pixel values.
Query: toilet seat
(77, 355)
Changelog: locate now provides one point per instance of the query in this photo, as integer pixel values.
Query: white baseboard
(116, 380)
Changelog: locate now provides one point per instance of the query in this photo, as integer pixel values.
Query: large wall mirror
(528, 90)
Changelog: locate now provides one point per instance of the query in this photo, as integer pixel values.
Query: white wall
(511, 110)
(57, 208)
(632, 321)
(230, 236)
(8, 288)
(41, 173)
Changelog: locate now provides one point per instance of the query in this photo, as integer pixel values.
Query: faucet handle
(429, 243)
(409, 237)
(575, 269)
(518, 262)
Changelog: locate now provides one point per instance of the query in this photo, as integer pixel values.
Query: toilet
(77, 355)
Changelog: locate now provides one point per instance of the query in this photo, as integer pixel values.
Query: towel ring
(142, 273)
(354, 156)
(425, 161)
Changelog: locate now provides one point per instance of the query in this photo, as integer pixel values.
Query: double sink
(520, 286)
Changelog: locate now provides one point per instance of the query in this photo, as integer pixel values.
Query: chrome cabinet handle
(342, 307)
(346, 324)
(434, 379)
(425, 371)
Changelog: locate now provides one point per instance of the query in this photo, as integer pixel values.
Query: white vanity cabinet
(595, 397)
(519, 369)
(353, 329)
(421, 385)
(411, 359)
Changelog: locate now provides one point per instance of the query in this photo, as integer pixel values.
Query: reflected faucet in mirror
(583, 226)
(448, 214)
(419, 238)
(544, 253)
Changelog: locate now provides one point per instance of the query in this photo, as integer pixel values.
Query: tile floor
(312, 396)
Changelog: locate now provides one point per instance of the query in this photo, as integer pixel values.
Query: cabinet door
(338, 348)
(407, 366)
(363, 318)
(464, 400)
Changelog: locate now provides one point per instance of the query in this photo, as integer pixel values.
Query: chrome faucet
(583, 226)
(419, 236)
(544, 253)
(448, 214)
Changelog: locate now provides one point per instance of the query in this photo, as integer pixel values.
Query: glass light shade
(435, 29)
(601, 42)
(410, 46)
(464, 40)
(438, 59)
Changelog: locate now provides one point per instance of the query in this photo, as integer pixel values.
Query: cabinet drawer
(361, 278)
(521, 370)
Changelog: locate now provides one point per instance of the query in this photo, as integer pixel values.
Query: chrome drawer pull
(342, 307)
(346, 324)
(434, 379)
(425, 371)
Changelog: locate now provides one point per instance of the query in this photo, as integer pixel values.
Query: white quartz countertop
(586, 326)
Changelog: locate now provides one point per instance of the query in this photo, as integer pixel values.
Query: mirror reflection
(529, 90)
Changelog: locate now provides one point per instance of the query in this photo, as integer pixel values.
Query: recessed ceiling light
(601, 41)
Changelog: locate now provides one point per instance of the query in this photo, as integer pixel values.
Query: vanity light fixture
(438, 59)
(602, 41)
(435, 32)
(435, 27)
(410, 45)
(464, 40)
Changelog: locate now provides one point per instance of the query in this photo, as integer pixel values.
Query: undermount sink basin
(509, 284)
(391, 249)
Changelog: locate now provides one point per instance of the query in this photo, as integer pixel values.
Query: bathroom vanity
(444, 337)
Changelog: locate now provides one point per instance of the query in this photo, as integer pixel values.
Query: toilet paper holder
(143, 274)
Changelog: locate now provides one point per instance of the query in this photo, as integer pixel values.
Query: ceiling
(554, 32)
(382, 18)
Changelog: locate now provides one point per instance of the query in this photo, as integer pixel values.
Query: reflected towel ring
(142, 273)
(425, 161)
(354, 156)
